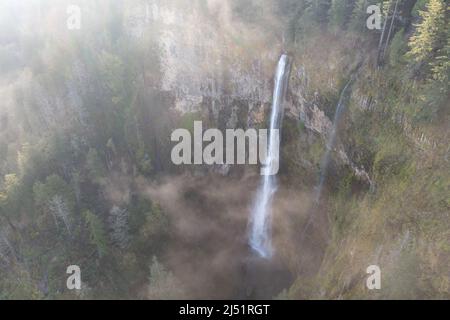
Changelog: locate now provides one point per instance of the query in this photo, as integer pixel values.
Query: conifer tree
(118, 221)
(430, 32)
(317, 11)
(162, 283)
(95, 166)
(55, 197)
(97, 232)
(58, 208)
(359, 16)
(340, 12)
(441, 65)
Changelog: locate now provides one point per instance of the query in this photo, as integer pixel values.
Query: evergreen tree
(318, 10)
(97, 232)
(441, 65)
(58, 208)
(6, 249)
(312, 15)
(430, 32)
(163, 284)
(358, 18)
(11, 199)
(438, 89)
(55, 197)
(95, 166)
(118, 222)
(9, 196)
(340, 13)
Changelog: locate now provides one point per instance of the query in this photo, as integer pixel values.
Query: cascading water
(260, 238)
(326, 158)
(330, 143)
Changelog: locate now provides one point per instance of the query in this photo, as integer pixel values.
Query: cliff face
(206, 54)
(222, 68)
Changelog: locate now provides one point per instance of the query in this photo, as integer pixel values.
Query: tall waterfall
(331, 142)
(260, 237)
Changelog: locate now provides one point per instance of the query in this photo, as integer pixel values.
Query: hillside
(87, 179)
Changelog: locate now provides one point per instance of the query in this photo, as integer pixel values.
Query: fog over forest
(104, 170)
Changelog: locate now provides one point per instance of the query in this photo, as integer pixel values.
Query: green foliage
(95, 166)
(341, 11)
(248, 11)
(430, 32)
(359, 16)
(156, 222)
(187, 120)
(66, 107)
(97, 233)
(18, 286)
(418, 7)
(10, 193)
(53, 185)
(397, 49)
(162, 283)
(441, 65)
(112, 72)
(318, 10)
(144, 161)
(311, 16)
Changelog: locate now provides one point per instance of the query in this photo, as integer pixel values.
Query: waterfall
(260, 238)
(330, 143)
(326, 157)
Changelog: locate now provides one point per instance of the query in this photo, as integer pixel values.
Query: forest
(87, 110)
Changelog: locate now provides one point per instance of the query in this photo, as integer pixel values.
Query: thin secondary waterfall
(331, 142)
(260, 237)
